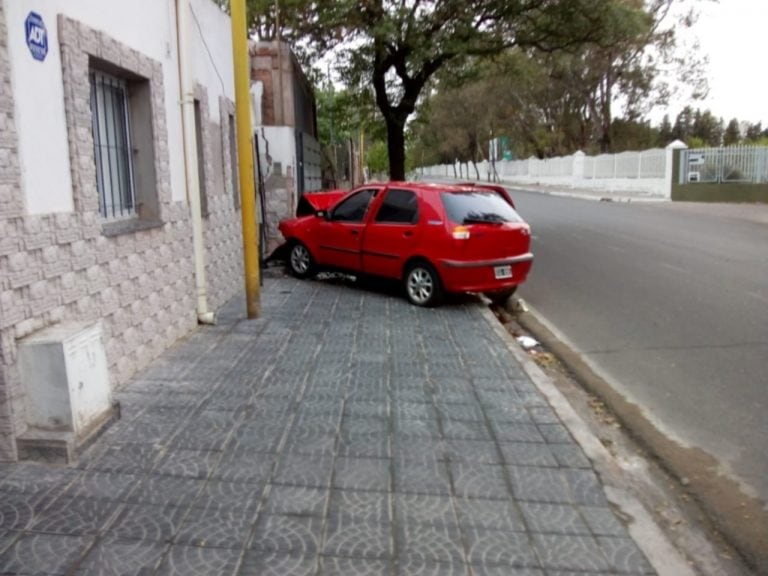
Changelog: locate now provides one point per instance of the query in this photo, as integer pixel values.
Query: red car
(434, 238)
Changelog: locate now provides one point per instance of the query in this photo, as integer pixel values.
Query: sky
(733, 34)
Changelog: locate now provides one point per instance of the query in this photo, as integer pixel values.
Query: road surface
(670, 303)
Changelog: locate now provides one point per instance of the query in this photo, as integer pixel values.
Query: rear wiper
(485, 220)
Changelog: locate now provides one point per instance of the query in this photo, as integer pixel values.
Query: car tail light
(461, 233)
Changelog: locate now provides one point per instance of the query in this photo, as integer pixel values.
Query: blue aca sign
(37, 36)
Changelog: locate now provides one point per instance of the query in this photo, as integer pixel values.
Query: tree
(707, 128)
(683, 128)
(754, 132)
(732, 134)
(665, 131)
(397, 46)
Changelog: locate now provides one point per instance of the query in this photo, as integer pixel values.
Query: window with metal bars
(112, 146)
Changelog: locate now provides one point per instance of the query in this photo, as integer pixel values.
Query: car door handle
(407, 234)
(354, 232)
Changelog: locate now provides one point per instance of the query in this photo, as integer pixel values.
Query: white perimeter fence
(638, 174)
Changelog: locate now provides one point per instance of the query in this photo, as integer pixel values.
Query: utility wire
(205, 44)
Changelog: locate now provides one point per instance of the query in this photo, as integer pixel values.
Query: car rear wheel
(422, 285)
(300, 262)
(500, 297)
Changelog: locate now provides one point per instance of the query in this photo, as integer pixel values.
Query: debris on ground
(527, 342)
(602, 413)
(544, 359)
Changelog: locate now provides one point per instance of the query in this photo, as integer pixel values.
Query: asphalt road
(669, 302)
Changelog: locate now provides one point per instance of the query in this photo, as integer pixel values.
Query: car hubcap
(420, 286)
(300, 259)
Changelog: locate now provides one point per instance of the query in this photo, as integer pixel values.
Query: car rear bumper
(479, 275)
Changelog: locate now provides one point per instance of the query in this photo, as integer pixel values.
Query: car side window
(399, 207)
(353, 209)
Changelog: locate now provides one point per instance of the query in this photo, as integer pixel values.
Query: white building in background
(96, 210)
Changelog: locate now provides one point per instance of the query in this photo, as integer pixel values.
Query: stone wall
(222, 228)
(63, 267)
(11, 207)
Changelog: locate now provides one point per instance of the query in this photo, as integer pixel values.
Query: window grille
(112, 146)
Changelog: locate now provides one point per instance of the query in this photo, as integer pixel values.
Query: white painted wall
(282, 148)
(149, 26)
(212, 64)
(644, 174)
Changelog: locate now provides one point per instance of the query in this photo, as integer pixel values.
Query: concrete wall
(285, 116)
(646, 174)
(57, 261)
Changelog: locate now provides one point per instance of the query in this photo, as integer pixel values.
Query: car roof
(432, 187)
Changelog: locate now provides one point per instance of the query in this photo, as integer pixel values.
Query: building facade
(285, 129)
(96, 222)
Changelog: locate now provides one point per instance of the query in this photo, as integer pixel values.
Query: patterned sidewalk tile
(355, 537)
(425, 509)
(197, 561)
(229, 494)
(367, 506)
(103, 486)
(189, 463)
(301, 470)
(528, 454)
(167, 490)
(16, 510)
(257, 563)
(491, 514)
(416, 566)
(244, 465)
(124, 557)
(422, 478)
(603, 522)
(335, 566)
(44, 554)
(362, 474)
(472, 452)
(624, 556)
(217, 526)
(479, 481)
(494, 547)
(76, 516)
(296, 500)
(429, 543)
(297, 534)
(565, 552)
(150, 523)
(553, 518)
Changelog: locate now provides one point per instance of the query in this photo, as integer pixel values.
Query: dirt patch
(735, 523)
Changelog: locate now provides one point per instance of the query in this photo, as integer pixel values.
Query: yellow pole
(242, 64)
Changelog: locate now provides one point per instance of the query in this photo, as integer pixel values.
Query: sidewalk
(344, 432)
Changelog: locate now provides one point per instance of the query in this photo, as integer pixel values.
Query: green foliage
(395, 47)
(377, 158)
(732, 134)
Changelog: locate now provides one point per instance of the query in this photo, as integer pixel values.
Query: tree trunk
(396, 148)
(477, 172)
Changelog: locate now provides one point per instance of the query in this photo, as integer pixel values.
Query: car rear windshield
(478, 206)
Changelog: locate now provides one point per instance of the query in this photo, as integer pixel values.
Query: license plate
(502, 272)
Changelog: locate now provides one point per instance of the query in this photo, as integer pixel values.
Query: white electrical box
(64, 372)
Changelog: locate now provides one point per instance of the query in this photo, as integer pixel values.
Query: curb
(649, 537)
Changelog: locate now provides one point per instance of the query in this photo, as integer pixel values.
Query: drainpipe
(187, 94)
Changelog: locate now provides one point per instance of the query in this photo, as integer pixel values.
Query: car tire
(300, 261)
(422, 285)
(500, 298)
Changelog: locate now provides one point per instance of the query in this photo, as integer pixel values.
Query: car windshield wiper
(487, 219)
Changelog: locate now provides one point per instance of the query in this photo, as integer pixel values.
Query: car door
(340, 235)
(392, 235)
